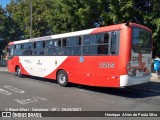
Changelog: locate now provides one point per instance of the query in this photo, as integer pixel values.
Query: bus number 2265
(106, 65)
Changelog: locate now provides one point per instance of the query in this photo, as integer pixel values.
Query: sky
(4, 2)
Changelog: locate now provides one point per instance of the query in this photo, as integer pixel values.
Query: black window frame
(18, 50)
(70, 48)
(27, 50)
(10, 51)
(76, 48)
(100, 43)
(39, 51)
(55, 49)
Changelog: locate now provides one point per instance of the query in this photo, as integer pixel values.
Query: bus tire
(62, 78)
(18, 72)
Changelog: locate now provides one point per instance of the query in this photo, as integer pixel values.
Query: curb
(3, 69)
(154, 77)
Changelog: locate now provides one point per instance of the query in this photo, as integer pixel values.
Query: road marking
(21, 101)
(14, 89)
(5, 92)
(30, 100)
(82, 90)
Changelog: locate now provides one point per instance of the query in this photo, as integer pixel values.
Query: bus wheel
(62, 78)
(18, 72)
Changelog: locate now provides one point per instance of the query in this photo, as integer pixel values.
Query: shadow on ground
(137, 91)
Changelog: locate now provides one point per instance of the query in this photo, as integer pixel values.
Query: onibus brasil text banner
(79, 114)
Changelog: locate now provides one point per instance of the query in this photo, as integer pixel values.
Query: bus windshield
(141, 40)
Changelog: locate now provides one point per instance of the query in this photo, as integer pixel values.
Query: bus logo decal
(81, 59)
(56, 62)
(39, 62)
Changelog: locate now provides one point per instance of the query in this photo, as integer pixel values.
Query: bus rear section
(138, 67)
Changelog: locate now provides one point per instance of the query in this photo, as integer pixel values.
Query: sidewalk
(3, 69)
(155, 77)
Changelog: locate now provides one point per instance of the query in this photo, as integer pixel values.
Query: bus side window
(102, 49)
(86, 40)
(34, 51)
(11, 51)
(114, 42)
(67, 46)
(106, 38)
(18, 49)
(53, 47)
(103, 43)
(86, 44)
(39, 48)
(49, 46)
(27, 48)
(77, 46)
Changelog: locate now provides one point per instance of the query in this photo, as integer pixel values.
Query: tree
(21, 11)
(59, 16)
(9, 29)
(72, 15)
(2, 28)
(145, 12)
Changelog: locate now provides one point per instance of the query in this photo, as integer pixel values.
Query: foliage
(23, 10)
(9, 30)
(59, 16)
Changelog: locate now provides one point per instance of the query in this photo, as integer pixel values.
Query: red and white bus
(111, 56)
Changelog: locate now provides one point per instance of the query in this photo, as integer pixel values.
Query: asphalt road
(30, 93)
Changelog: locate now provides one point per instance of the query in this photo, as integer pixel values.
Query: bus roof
(82, 32)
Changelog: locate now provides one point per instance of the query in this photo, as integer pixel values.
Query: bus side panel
(9, 66)
(92, 70)
(87, 70)
(13, 63)
(52, 75)
(41, 66)
(125, 49)
(72, 68)
(106, 80)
